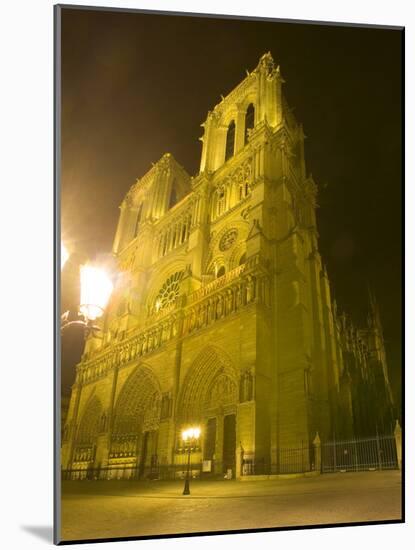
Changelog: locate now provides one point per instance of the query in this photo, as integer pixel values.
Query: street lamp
(96, 288)
(190, 439)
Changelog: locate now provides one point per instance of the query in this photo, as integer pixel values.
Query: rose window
(228, 239)
(169, 291)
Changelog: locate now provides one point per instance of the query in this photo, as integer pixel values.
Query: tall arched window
(173, 195)
(230, 141)
(138, 219)
(249, 120)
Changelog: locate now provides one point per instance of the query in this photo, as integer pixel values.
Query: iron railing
(375, 453)
(290, 460)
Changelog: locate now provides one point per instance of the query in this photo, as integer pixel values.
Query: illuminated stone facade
(222, 316)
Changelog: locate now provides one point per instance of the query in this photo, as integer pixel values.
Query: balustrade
(212, 302)
(131, 348)
(218, 304)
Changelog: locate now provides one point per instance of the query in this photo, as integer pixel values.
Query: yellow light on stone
(64, 255)
(191, 433)
(96, 288)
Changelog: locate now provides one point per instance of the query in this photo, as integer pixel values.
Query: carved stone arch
(211, 369)
(89, 426)
(228, 115)
(237, 253)
(138, 405)
(250, 98)
(215, 264)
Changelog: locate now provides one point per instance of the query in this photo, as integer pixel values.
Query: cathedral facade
(222, 315)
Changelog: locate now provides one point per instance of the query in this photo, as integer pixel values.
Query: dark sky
(135, 86)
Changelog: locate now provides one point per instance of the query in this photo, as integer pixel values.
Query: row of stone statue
(214, 308)
(222, 304)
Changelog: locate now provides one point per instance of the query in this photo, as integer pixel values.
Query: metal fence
(293, 461)
(372, 453)
(290, 460)
(375, 453)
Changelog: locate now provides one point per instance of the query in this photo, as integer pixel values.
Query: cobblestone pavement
(119, 508)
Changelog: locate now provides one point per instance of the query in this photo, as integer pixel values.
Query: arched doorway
(134, 438)
(209, 398)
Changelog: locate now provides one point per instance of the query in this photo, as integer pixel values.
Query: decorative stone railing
(155, 316)
(127, 350)
(213, 302)
(223, 281)
(216, 284)
(221, 303)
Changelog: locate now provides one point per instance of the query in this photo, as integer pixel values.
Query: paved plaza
(92, 509)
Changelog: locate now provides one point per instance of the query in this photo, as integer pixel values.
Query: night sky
(135, 86)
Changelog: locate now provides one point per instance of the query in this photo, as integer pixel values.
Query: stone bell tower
(253, 147)
(262, 89)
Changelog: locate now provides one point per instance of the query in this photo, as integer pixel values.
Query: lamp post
(190, 438)
(96, 288)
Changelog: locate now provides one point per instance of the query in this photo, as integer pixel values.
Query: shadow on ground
(43, 532)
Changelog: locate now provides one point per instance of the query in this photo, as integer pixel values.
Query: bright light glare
(191, 433)
(64, 255)
(96, 288)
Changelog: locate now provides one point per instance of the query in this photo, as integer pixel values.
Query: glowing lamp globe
(96, 288)
(191, 433)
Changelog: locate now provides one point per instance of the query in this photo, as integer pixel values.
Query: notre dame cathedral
(222, 315)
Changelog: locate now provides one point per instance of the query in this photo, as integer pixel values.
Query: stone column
(398, 442)
(317, 453)
(240, 130)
